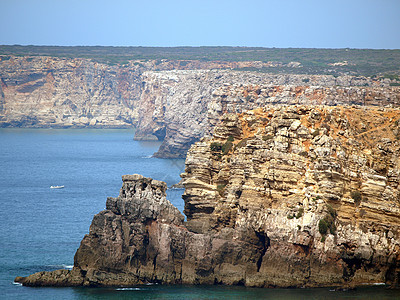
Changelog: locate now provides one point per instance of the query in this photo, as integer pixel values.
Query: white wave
(17, 283)
(62, 266)
(374, 283)
(68, 267)
(129, 289)
(147, 156)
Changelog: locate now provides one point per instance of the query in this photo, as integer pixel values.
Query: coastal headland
(277, 196)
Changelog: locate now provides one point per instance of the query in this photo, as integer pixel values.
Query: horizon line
(203, 46)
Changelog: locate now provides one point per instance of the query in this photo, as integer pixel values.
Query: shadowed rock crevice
(264, 241)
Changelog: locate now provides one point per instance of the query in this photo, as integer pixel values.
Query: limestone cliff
(280, 196)
(183, 106)
(175, 101)
(58, 92)
(172, 100)
(319, 184)
(38, 91)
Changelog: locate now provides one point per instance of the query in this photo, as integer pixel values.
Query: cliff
(319, 184)
(177, 101)
(58, 92)
(180, 107)
(38, 91)
(281, 196)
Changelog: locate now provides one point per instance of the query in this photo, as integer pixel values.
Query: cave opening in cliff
(264, 242)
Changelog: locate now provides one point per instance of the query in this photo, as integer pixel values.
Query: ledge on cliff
(283, 196)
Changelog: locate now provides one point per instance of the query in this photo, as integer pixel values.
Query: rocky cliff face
(319, 185)
(178, 104)
(183, 106)
(55, 92)
(61, 92)
(280, 196)
(141, 238)
(127, 241)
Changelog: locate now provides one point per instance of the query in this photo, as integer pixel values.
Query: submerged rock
(289, 196)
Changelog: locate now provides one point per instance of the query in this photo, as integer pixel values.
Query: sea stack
(280, 196)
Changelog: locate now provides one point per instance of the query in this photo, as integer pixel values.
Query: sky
(253, 23)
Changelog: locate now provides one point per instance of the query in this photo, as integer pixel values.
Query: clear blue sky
(284, 23)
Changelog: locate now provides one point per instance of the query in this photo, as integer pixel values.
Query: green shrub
(328, 222)
(322, 227)
(357, 197)
(391, 76)
(241, 144)
(267, 137)
(216, 147)
(331, 211)
(300, 213)
(394, 84)
(305, 80)
(226, 147)
(230, 138)
(221, 189)
(316, 132)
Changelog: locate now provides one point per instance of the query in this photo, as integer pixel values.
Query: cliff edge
(281, 196)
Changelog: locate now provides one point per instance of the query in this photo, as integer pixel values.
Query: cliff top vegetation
(366, 62)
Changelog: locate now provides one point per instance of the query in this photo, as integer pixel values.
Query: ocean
(41, 228)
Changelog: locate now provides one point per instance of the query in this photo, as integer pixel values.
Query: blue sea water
(41, 228)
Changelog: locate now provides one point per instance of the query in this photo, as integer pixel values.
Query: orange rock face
(321, 183)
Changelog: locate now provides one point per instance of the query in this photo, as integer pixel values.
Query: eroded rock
(279, 197)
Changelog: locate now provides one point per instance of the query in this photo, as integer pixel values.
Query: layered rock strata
(57, 92)
(178, 104)
(180, 107)
(130, 242)
(286, 196)
(141, 238)
(319, 185)
(43, 91)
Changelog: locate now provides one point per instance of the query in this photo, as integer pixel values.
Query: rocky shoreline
(280, 196)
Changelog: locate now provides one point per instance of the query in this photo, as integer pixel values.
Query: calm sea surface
(41, 228)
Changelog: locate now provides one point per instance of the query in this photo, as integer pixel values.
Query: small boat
(57, 187)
